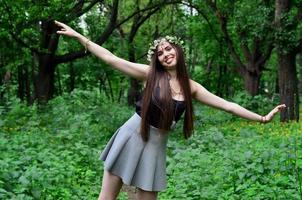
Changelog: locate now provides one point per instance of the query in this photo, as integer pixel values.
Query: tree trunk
(44, 83)
(251, 80)
(27, 85)
(299, 62)
(222, 83)
(110, 92)
(277, 90)
(58, 77)
(253, 53)
(1, 86)
(134, 90)
(21, 83)
(71, 77)
(287, 73)
(6, 86)
(288, 86)
(102, 85)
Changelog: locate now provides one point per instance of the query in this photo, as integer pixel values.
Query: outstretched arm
(135, 70)
(204, 96)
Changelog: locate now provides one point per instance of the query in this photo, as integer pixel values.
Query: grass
(51, 152)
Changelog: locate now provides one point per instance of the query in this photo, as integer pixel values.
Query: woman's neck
(173, 74)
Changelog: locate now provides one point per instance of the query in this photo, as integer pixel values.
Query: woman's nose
(165, 53)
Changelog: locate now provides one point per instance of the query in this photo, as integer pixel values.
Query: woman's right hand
(66, 30)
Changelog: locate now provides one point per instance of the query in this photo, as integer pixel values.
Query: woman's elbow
(230, 107)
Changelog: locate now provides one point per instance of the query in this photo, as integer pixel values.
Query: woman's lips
(169, 60)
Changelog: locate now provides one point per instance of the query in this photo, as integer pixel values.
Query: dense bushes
(51, 152)
(223, 164)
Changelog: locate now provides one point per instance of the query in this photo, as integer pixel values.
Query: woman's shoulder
(193, 86)
(196, 87)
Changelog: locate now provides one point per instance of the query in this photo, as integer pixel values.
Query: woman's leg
(111, 186)
(146, 195)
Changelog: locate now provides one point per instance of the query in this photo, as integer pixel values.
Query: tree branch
(205, 17)
(298, 49)
(14, 35)
(82, 11)
(256, 48)
(106, 33)
(110, 27)
(223, 25)
(245, 49)
(264, 57)
(140, 20)
(162, 3)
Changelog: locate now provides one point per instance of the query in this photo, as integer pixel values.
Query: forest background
(59, 104)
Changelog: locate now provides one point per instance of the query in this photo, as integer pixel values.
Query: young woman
(136, 153)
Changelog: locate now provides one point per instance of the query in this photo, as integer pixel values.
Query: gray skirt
(137, 163)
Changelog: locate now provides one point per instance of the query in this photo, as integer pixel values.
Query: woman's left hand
(270, 115)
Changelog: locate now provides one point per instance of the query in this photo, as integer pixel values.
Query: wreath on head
(155, 43)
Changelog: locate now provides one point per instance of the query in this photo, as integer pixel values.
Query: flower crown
(170, 39)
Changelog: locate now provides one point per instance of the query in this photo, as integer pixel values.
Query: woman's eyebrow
(164, 48)
(159, 51)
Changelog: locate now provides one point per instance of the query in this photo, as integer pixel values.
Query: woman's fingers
(277, 109)
(63, 27)
(60, 32)
(60, 24)
(280, 107)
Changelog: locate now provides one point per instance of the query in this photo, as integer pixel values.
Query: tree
(245, 27)
(138, 20)
(34, 30)
(208, 52)
(288, 15)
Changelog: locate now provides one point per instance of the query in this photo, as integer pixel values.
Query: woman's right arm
(135, 70)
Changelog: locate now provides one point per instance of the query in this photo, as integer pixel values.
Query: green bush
(258, 103)
(51, 152)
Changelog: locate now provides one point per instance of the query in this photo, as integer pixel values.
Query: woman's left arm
(204, 96)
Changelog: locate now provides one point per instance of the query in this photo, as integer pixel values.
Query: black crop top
(178, 109)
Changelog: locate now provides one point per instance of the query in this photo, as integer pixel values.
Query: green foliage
(288, 31)
(236, 160)
(258, 103)
(208, 58)
(51, 152)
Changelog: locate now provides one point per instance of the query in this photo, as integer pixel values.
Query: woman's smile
(167, 54)
(169, 59)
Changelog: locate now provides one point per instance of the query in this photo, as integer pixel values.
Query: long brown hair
(159, 77)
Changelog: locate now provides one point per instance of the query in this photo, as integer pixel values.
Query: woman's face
(167, 55)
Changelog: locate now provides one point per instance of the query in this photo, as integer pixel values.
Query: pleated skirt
(137, 163)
